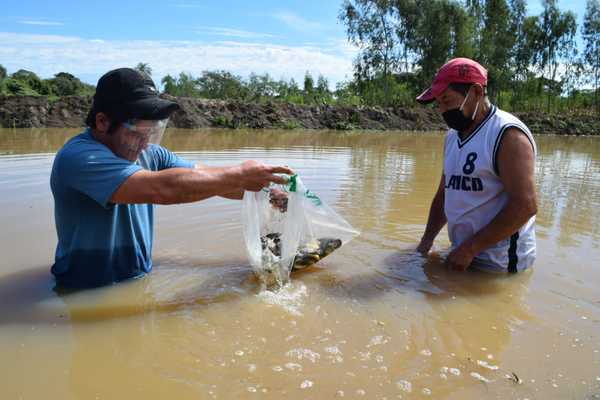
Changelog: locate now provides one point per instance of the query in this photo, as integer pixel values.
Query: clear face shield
(139, 136)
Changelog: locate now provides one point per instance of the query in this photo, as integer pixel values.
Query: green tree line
(210, 85)
(27, 83)
(256, 88)
(533, 61)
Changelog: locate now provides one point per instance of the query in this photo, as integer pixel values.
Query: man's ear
(479, 90)
(102, 122)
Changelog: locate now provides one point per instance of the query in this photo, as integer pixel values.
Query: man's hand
(460, 258)
(254, 175)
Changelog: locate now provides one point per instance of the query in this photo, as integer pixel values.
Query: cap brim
(152, 108)
(426, 97)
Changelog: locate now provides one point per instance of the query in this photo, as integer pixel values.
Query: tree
(527, 52)
(169, 85)
(568, 56)
(497, 41)
(220, 85)
(323, 95)
(574, 71)
(521, 57)
(289, 91)
(443, 32)
(553, 40)
(348, 93)
(407, 14)
(30, 81)
(261, 87)
(2, 73)
(65, 84)
(144, 68)
(15, 87)
(184, 86)
(370, 26)
(461, 31)
(478, 11)
(308, 88)
(591, 39)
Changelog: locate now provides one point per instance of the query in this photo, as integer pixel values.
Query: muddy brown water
(374, 320)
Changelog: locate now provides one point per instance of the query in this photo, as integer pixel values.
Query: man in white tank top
(487, 190)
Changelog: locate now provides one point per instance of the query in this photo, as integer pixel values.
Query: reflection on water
(569, 181)
(374, 320)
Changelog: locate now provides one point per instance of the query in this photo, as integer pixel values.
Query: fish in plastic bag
(288, 227)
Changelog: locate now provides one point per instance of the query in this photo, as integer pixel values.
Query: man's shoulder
(83, 139)
(80, 145)
(84, 153)
(508, 118)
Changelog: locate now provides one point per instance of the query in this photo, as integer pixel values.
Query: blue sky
(283, 38)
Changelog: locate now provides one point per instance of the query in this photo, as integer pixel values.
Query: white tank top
(474, 193)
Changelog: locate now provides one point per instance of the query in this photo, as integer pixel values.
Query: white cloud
(89, 59)
(296, 22)
(228, 32)
(40, 22)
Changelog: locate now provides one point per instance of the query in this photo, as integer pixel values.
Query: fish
(307, 255)
(315, 252)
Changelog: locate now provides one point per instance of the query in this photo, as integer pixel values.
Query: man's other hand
(460, 258)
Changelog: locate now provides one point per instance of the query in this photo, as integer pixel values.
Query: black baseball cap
(125, 93)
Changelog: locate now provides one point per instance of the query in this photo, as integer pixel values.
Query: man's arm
(436, 220)
(516, 162)
(185, 185)
(236, 194)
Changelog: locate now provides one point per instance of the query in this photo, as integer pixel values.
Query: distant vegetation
(534, 62)
(27, 83)
(257, 88)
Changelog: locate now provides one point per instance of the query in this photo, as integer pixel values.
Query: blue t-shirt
(100, 242)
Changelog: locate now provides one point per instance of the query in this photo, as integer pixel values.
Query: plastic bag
(289, 227)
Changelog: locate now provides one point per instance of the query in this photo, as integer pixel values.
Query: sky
(85, 38)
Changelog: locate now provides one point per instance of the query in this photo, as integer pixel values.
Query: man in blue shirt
(106, 180)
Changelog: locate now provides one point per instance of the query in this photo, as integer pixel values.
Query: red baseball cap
(457, 70)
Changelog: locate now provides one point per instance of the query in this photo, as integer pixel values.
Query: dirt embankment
(70, 111)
